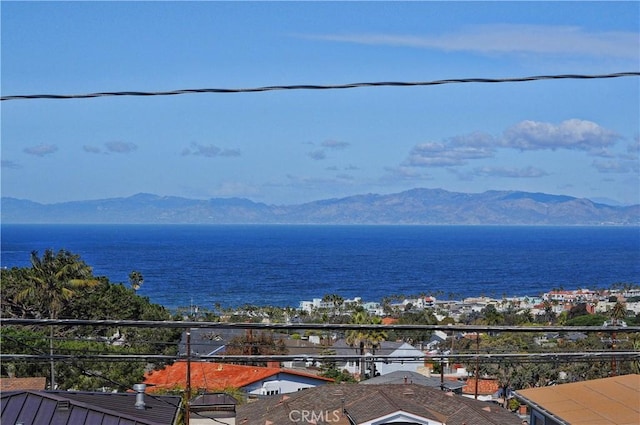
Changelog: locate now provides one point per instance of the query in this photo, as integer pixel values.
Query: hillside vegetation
(60, 285)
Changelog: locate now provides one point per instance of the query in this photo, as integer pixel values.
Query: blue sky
(573, 137)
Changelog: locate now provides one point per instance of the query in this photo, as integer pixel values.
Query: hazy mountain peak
(414, 206)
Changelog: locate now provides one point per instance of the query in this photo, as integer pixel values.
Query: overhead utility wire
(309, 326)
(69, 360)
(325, 87)
(590, 356)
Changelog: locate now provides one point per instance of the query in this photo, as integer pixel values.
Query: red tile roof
(15, 384)
(485, 386)
(214, 376)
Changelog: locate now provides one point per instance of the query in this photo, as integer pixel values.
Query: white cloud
(569, 134)
(573, 134)
(41, 150)
(475, 139)
(317, 155)
(616, 166)
(434, 154)
(334, 144)
(91, 149)
(120, 147)
(403, 173)
(527, 172)
(209, 151)
(510, 38)
(320, 154)
(633, 149)
(9, 164)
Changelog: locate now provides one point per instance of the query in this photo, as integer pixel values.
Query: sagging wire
(323, 87)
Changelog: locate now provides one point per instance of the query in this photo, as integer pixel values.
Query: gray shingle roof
(398, 377)
(368, 402)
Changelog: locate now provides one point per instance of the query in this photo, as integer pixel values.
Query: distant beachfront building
(419, 303)
(578, 295)
(315, 304)
(318, 304)
(373, 308)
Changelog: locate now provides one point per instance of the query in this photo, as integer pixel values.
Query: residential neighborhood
(366, 384)
(557, 300)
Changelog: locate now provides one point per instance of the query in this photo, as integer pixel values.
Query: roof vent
(139, 389)
(63, 405)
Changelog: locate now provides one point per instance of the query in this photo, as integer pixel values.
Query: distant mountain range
(416, 206)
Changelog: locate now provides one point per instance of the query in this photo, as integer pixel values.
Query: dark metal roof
(214, 399)
(84, 408)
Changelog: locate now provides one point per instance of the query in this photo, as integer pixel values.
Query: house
(86, 408)
(612, 401)
(438, 338)
(212, 409)
(253, 380)
(208, 342)
(213, 341)
(486, 388)
(401, 377)
(305, 351)
(413, 358)
(15, 384)
(356, 404)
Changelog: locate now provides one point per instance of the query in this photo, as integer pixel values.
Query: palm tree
(618, 312)
(52, 282)
(136, 280)
(365, 339)
(334, 299)
(54, 279)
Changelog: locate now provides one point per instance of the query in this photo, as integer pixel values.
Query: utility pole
(187, 412)
(52, 364)
(477, 363)
(441, 374)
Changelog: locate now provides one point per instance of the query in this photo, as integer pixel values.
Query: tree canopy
(61, 285)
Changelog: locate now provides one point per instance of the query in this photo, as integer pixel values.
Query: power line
(577, 356)
(312, 326)
(323, 87)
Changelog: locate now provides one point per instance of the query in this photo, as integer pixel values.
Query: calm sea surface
(281, 265)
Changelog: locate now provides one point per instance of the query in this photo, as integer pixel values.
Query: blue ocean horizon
(280, 265)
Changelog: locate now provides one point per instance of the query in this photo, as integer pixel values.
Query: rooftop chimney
(139, 389)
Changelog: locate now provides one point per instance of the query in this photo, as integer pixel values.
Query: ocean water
(187, 265)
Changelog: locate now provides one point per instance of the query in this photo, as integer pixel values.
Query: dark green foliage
(418, 317)
(587, 320)
(338, 376)
(62, 285)
(491, 315)
(329, 369)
